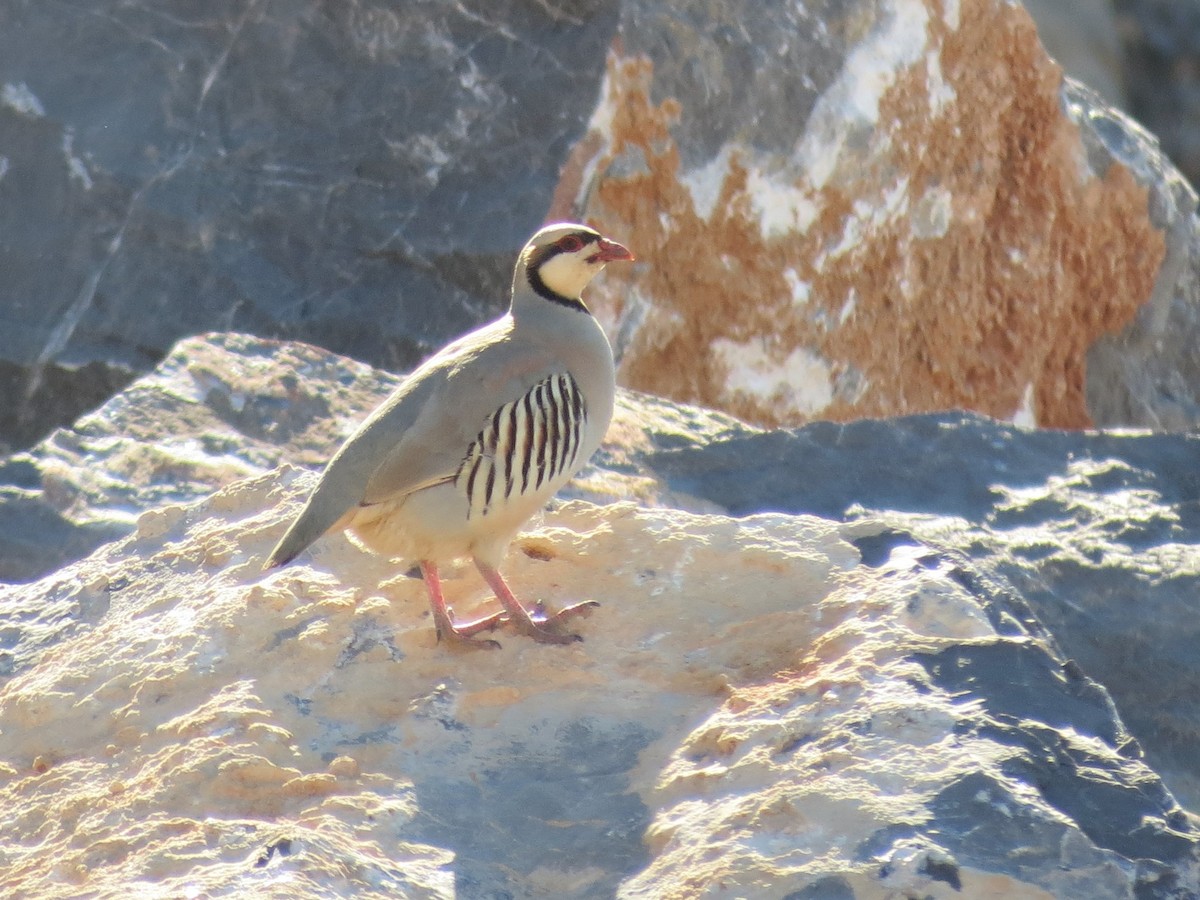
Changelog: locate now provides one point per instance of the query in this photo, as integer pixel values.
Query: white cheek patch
(567, 274)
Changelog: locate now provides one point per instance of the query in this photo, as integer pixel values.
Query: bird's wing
(419, 435)
(451, 417)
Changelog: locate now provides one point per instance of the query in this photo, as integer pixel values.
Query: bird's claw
(539, 624)
(544, 635)
(463, 634)
(455, 638)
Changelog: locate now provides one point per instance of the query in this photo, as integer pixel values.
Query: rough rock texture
(754, 713)
(842, 208)
(1148, 373)
(1098, 533)
(919, 232)
(877, 684)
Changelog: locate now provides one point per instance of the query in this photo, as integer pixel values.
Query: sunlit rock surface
(224, 406)
(936, 655)
(754, 712)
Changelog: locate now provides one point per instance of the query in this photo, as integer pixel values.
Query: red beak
(611, 251)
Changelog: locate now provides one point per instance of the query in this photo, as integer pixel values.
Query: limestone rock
(878, 680)
(1090, 528)
(913, 226)
(756, 712)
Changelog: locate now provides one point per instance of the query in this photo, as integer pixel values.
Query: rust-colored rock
(936, 241)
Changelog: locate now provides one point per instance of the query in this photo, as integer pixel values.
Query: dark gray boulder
(356, 175)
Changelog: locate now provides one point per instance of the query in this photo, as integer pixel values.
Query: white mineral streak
(899, 41)
(869, 217)
(950, 12)
(784, 205)
(801, 383)
(1026, 414)
(941, 93)
(801, 289)
(19, 98)
(76, 167)
(705, 183)
(932, 213)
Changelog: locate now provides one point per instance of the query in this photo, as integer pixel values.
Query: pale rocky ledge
(861, 661)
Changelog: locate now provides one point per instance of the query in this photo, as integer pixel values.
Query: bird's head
(560, 260)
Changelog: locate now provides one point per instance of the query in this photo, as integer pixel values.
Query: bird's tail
(318, 517)
(288, 548)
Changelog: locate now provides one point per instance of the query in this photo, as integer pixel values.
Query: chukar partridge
(478, 438)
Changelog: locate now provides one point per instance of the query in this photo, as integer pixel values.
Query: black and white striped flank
(524, 445)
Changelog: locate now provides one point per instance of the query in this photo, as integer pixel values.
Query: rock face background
(335, 173)
(848, 690)
(883, 207)
(951, 226)
(1161, 77)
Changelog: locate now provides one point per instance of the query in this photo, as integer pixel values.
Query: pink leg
(539, 626)
(443, 619)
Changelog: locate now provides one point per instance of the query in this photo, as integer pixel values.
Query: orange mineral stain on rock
(964, 259)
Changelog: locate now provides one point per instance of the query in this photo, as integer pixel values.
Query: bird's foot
(545, 627)
(463, 634)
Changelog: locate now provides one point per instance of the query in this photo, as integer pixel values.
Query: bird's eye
(570, 244)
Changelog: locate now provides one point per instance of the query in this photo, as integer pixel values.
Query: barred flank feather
(525, 444)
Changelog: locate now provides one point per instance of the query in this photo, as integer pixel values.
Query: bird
(478, 438)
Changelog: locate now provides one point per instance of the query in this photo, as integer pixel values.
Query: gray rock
(358, 175)
(1148, 374)
(1161, 38)
(1094, 531)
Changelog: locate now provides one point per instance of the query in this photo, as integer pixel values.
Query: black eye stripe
(573, 243)
(551, 250)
